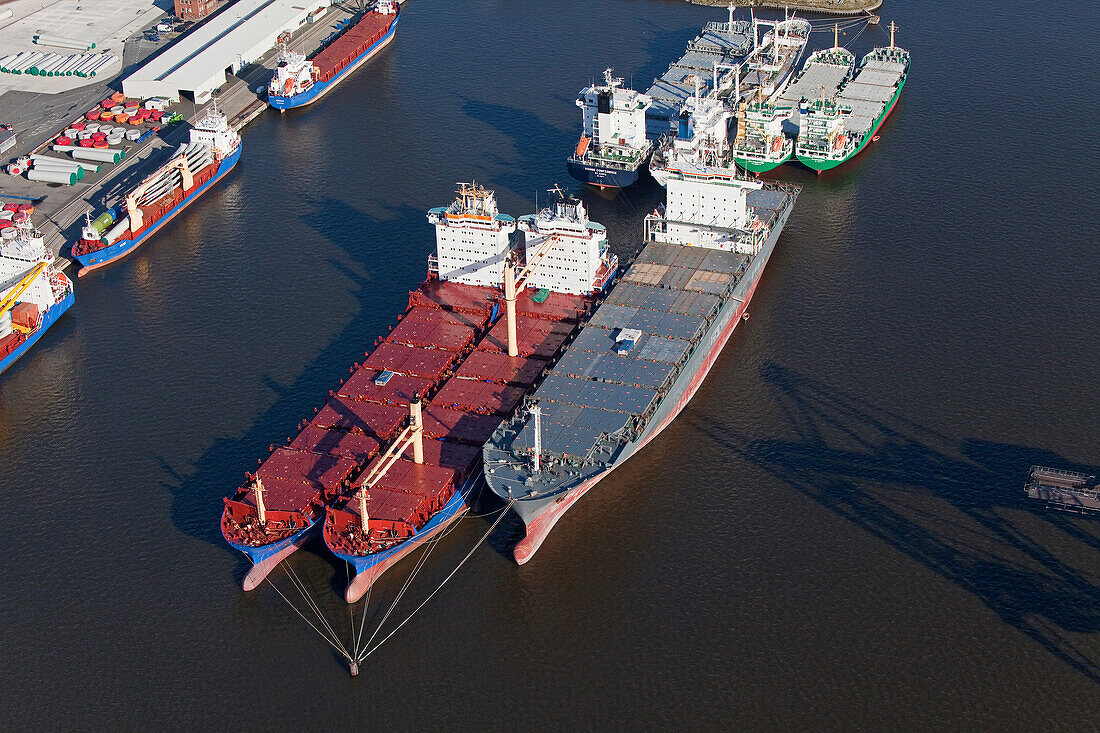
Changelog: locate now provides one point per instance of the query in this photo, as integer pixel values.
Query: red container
(156, 114)
(26, 315)
(461, 458)
(20, 216)
(282, 495)
(536, 337)
(92, 115)
(410, 360)
(86, 142)
(62, 140)
(499, 367)
(9, 343)
(11, 207)
(26, 208)
(99, 136)
(107, 116)
(99, 143)
(78, 125)
(465, 427)
(107, 103)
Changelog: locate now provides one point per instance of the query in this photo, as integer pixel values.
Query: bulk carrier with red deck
(395, 454)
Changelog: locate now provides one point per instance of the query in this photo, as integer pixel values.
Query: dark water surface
(832, 535)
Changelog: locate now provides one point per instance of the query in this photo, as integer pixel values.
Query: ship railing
(1038, 470)
(433, 265)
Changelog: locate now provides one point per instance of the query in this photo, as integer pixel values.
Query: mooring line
(367, 653)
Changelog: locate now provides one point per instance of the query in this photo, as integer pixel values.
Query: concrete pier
(59, 209)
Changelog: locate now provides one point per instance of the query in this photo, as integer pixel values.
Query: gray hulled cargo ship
(646, 349)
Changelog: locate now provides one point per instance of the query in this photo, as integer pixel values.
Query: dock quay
(60, 209)
(829, 7)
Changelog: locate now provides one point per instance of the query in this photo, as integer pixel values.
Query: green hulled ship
(832, 131)
(762, 143)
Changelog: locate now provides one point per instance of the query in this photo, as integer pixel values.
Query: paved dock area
(38, 118)
(106, 23)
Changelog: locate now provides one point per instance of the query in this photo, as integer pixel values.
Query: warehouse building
(200, 61)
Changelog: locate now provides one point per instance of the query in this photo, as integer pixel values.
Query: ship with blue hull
(613, 148)
(407, 495)
(394, 455)
(298, 81)
(368, 568)
(33, 294)
(602, 175)
(266, 558)
(212, 152)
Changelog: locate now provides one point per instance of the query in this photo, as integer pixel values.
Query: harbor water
(833, 535)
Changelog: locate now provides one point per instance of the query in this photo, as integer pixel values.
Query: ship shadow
(926, 496)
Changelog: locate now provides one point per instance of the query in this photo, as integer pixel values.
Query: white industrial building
(199, 62)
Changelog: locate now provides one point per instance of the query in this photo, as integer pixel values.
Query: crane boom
(10, 299)
(514, 283)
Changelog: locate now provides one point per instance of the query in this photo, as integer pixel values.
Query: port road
(38, 118)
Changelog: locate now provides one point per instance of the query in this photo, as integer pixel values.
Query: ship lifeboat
(582, 146)
(288, 87)
(838, 144)
(777, 145)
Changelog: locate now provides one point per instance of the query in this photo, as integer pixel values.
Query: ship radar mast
(473, 197)
(611, 81)
(893, 28)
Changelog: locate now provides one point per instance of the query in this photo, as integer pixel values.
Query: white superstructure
(472, 238)
(578, 260)
(293, 73)
(213, 131)
(23, 248)
(708, 206)
(701, 135)
(614, 115)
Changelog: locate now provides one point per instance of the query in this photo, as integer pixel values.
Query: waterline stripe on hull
(319, 89)
(368, 568)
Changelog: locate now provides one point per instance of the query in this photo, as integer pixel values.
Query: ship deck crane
(413, 434)
(12, 297)
(514, 283)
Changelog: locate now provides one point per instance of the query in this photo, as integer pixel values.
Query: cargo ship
(766, 130)
(299, 81)
(394, 456)
(833, 131)
(734, 60)
(212, 152)
(646, 349)
(33, 294)
(1069, 491)
(701, 136)
(613, 145)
